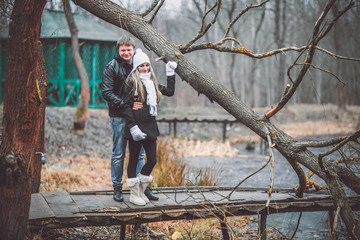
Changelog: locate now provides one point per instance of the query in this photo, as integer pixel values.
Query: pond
(231, 170)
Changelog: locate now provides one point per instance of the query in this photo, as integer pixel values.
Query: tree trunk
(204, 84)
(82, 109)
(23, 114)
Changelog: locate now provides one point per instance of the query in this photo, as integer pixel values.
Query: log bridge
(174, 119)
(61, 209)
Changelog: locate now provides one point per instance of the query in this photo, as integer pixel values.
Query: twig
(297, 226)
(323, 70)
(203, 29)
(240, 14)
(261, 168)
(334, 233)
(318, 34)
(318, 144)
(147, 11)
(159, 58)
(272, 171)
(156, 11)
(339, 145)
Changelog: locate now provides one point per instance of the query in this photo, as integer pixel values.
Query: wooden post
(224, 229)
(174, 128)
(122, 232)
(331, 219)
(94, 68)
(61, 75)
(262, 226)
(224, 131)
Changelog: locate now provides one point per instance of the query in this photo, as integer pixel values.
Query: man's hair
(125, 40)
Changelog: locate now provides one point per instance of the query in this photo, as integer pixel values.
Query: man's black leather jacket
(113, 85)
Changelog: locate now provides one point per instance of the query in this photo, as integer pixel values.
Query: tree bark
(23, 114)
(204, 84)
(82, 109)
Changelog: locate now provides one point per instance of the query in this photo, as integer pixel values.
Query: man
(112, 87)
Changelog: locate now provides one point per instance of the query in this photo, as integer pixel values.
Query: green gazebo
(97, 48)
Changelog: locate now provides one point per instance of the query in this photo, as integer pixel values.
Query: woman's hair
(133, 83)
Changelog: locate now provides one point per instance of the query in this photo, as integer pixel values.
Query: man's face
(126, 52)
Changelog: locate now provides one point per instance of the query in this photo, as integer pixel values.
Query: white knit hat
(139, 58)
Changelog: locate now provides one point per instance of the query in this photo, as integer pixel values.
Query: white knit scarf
(151, 92)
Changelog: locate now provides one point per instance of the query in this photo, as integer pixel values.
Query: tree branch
(203, 29)
(156, 11)
(308, 60)
(240, 14)
(353, 137)
(318, 144)
(149, 10)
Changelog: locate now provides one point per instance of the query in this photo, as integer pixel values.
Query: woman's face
(144, 68)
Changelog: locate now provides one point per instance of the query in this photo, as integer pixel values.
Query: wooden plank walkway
(61, 209)
(174, 119)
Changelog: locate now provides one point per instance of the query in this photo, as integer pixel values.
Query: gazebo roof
(54, 25)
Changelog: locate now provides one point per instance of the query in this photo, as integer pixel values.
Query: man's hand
(137, 105)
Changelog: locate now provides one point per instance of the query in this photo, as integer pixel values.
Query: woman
(142, 129)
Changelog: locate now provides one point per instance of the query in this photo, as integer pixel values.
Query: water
(231, 170)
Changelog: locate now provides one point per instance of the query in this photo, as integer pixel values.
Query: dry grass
(76, 174)
(317, 128)
(194, 148)
(203, 228)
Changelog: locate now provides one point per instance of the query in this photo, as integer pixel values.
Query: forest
(227, 52)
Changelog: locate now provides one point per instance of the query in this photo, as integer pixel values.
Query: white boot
(135, 193)
(144, 182)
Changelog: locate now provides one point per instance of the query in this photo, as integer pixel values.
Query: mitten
(170, 68)
(137, 134)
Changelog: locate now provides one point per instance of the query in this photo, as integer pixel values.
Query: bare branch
(272, 156)
(342, 143)
(149, 10)
(261, 168)
(335, 56)
(203, 29)
(156, 11)
(240, 14)
(311, 51)
(340, 13)
(323, 70)
(318, 144)
(297, 226)
(334, 233)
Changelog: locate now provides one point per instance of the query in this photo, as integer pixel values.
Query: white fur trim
(132, 181)
(144, 178)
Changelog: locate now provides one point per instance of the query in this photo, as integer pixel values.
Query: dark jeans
(150, 151)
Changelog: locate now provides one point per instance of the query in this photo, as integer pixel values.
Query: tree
(295, 152)
(23, 119)
(82, 109)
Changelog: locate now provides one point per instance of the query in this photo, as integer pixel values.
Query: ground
(297, 120)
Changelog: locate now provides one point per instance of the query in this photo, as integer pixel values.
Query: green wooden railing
(63, 82)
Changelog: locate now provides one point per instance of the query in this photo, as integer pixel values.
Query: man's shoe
(118, 196)
(150, 195)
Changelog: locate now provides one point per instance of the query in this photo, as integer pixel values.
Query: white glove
(170, 68)
(137, 134)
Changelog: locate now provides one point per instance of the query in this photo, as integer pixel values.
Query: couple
(130, 88)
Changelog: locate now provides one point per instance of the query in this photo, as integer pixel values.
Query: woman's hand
(137, 105)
